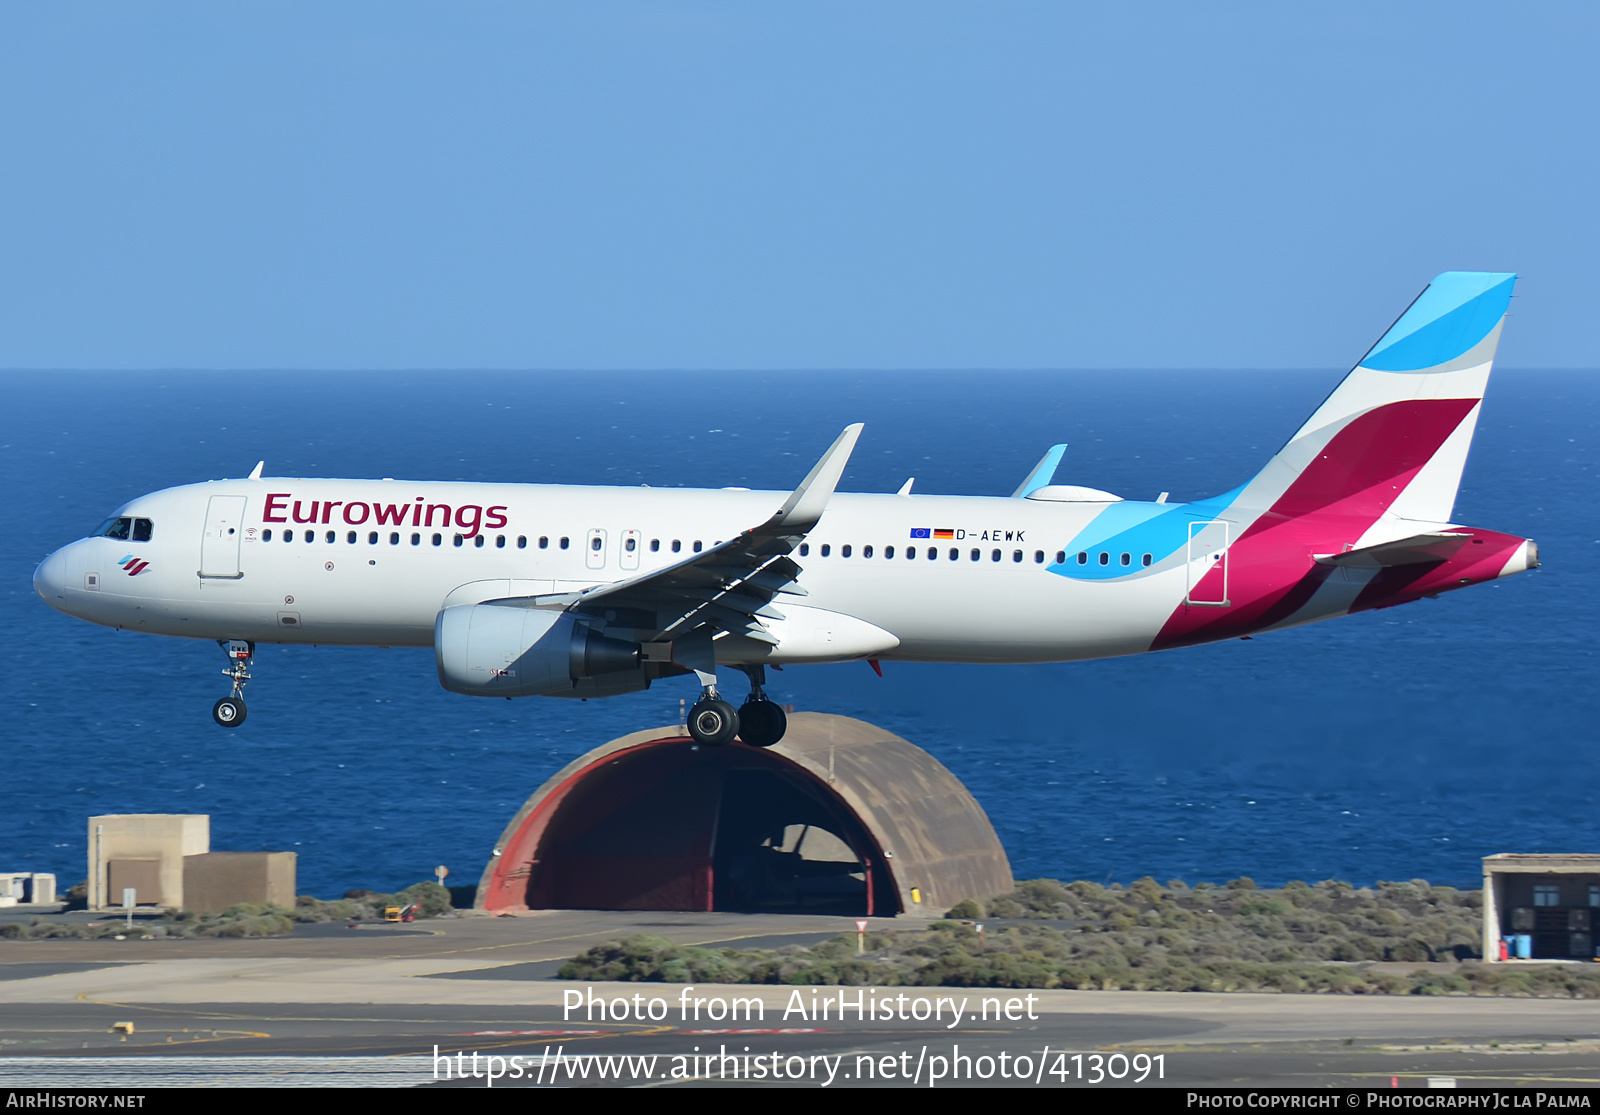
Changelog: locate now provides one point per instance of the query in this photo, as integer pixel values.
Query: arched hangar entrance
(840, 817)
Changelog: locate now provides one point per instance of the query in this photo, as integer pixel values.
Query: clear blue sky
(804, 185)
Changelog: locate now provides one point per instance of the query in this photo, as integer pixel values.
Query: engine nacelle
(499, 650)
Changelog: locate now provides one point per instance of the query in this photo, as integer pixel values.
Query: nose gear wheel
(229, 712)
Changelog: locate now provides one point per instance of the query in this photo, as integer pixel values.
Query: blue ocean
(1399, 744)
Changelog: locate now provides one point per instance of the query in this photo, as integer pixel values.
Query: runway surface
(370, 1006)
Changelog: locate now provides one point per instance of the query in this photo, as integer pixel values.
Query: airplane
(578, 591)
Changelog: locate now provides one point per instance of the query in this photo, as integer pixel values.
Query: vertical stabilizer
(1393, 437)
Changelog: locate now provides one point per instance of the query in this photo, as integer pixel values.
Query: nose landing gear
(229, 712)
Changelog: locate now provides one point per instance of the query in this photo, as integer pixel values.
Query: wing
(731, 586)
(1419, 549)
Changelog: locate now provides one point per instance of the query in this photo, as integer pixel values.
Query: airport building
(1541, 907)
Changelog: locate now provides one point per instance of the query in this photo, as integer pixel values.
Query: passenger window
(1016, 555)
(911, 553)
(933, 553)
(416, 539)
(629, 544)
(976, 555)
(565, 542)
(141, 530)
(438, 538)
(655, 545)
(311, 536)
(698, 545)
(866, 551)
(955, 554)
(1147, 559)
(1105, 558)
(844, 551)
(331, 536)
(351, 538)
(1127, 559)
(805, 548)
(266, 535)
(1061, 557)
(595, 544)
(888, 552)
(677, 545)
(994, 555)
(372, 538)
(119, 528)
(522, 542)
(478, 541)
(1083, 558)
(825, 549)
(458, 540)
(1038, 557)
(499, 541)
(288, 536)
(394, 538)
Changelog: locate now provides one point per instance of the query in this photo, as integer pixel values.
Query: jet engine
(506, 650)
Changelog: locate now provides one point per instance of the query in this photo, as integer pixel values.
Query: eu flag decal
(920, 532)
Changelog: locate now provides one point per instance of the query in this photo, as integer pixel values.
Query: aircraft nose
(50, 579)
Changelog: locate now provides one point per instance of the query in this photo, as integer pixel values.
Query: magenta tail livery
(561, 591)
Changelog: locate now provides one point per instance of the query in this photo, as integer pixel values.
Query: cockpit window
(126, 528)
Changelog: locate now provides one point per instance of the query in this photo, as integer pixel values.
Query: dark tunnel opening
(673, 826)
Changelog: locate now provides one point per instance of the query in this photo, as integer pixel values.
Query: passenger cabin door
(219, 545)
(594, 551)
(1208, 564)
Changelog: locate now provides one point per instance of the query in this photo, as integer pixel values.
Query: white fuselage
(985, 594)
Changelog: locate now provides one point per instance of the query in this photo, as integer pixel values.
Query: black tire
(713, 722)
(228, 712)
(762, 723)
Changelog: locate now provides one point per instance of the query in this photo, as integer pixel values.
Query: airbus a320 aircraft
(564, 591)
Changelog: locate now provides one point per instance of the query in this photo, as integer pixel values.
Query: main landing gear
(759, 722)
(230, 711)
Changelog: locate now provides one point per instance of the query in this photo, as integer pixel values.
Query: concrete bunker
(840, 817)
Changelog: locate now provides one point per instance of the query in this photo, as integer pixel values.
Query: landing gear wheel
(713, 722)
(762, 722)
(228, 712)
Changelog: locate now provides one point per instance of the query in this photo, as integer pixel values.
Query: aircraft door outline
(1208, 551)
(219, 542)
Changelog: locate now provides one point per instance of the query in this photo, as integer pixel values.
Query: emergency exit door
(1208, 564)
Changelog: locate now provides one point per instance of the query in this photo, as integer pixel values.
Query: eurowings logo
(133, 566)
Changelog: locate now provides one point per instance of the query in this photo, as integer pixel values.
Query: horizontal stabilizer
(1419, 549)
